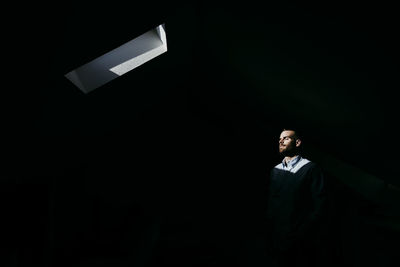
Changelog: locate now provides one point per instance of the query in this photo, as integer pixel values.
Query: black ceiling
(233, 77)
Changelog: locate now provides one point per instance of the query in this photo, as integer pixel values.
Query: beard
(287, 151)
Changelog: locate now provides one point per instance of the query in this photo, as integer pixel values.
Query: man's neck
(289, 158)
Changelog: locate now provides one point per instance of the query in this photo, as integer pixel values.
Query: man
(296, 205)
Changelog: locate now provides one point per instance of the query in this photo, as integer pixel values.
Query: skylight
(119, 61)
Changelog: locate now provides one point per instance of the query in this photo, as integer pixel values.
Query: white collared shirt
(293, 165)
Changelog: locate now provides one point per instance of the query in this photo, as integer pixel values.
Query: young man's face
(288, 144)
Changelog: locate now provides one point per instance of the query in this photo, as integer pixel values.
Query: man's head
(289, 143)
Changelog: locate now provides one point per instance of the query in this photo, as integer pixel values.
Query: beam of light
(119, 61)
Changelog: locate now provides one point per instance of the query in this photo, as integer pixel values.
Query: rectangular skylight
(119, 61)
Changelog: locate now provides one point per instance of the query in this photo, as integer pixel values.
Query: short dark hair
(297, 132)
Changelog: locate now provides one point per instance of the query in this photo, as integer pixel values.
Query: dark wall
(167, 164)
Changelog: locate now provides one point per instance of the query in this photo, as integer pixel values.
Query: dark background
(166, 165)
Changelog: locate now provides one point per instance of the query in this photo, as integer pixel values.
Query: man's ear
(298, 142)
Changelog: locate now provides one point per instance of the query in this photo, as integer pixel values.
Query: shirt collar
(291, 163)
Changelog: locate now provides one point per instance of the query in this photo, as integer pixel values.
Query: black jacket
(296, 204)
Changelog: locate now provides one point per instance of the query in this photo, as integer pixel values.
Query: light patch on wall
(119, 61)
